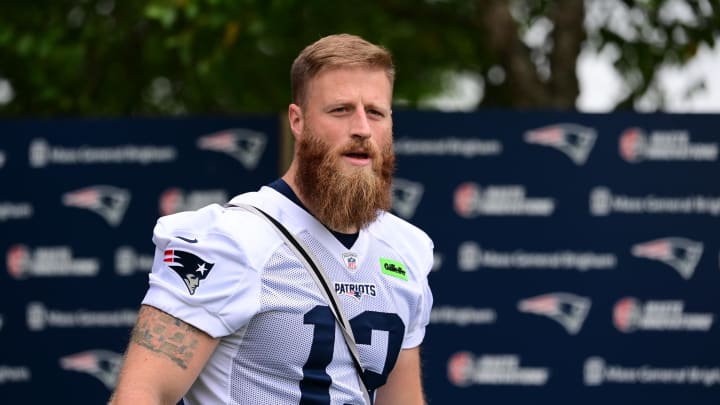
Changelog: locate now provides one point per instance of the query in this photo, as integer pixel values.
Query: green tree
(171, 57)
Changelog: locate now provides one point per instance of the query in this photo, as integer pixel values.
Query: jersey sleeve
(204, 272)
(416, 332)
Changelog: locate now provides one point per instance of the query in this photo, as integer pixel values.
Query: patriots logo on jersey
(189, 267)
(356, 290)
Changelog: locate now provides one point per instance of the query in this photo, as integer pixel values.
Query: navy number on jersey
(315, 384)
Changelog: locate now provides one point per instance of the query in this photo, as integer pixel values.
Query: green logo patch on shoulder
(393, 268)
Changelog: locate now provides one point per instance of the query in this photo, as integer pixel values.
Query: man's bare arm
(404, 384)
(163, 359)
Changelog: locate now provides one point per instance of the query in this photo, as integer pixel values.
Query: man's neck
(282, 186)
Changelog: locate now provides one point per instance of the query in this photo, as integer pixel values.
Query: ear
(295, 117)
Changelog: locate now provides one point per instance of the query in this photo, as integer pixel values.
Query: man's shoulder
(393, 226)
(236, 227)
(412, 245)
(212, 210)
(401, 235)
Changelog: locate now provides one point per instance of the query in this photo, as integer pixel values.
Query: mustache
(360, 145)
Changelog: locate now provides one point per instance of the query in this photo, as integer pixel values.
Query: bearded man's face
(344, 156)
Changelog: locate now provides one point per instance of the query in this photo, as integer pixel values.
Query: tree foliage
(171, 57)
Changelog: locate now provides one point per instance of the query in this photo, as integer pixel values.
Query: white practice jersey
(227, 272)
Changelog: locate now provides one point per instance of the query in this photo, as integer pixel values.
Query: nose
(360, 126)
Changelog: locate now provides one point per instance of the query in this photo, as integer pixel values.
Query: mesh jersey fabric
(228, 273)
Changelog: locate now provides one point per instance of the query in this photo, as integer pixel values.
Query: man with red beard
(256, 328)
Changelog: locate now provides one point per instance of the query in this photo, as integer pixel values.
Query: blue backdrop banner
(78, 204)
(577, 255)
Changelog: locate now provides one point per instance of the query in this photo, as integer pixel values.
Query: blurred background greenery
(109, 58)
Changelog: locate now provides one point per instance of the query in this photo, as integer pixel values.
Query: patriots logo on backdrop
(245, 145)
(679, 253)
(576, 141)
(406, 196)
(101, 364)
(567, 309)
(107, 201)
(189, 267)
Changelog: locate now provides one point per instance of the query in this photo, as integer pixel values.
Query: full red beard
(341, 200)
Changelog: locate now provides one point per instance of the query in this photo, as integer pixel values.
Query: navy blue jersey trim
(279, 185)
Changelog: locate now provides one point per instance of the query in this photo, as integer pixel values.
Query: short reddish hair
(336, 51)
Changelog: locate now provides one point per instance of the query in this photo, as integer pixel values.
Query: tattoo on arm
(166, 335)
